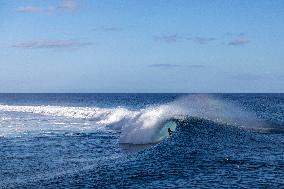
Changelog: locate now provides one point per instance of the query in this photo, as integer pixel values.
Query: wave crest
(145, 125)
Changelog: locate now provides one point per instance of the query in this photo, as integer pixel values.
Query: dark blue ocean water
(121, 141)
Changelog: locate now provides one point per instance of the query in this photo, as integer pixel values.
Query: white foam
(138, 126)
(100, 115)
(141, 126)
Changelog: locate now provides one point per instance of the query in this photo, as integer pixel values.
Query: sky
(128, 46)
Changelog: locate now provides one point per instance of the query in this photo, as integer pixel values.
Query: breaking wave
(148, 125)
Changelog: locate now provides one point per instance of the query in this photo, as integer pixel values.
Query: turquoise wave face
(163, 131)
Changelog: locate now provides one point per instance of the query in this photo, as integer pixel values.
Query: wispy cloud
(194, 66)
(236, 39)
(231, 39)
(172, 38)
(107, 29)
(230, 34)
(64, 5)
(29, 9)
(51, 44)
(239, 41)
(164, 65)
(203, 40)
(68, 5)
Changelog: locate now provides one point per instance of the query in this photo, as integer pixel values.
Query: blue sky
(142, 46)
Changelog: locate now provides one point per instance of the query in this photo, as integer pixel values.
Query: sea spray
(146, 125)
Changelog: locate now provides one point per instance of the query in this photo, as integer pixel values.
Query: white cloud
(69, 5)
(29, 9)
(64, 5)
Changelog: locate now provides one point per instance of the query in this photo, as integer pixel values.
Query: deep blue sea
(121, 141)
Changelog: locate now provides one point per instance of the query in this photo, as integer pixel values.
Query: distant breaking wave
(148, 125)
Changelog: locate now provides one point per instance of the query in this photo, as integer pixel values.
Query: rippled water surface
(121, 140)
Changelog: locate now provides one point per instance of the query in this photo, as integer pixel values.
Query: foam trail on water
(99, 115)
(138, 126)
(142, 126)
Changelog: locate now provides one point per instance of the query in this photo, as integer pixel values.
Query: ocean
(122, 141)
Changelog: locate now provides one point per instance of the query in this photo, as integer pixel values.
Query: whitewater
(121, 141)
(142, 126)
